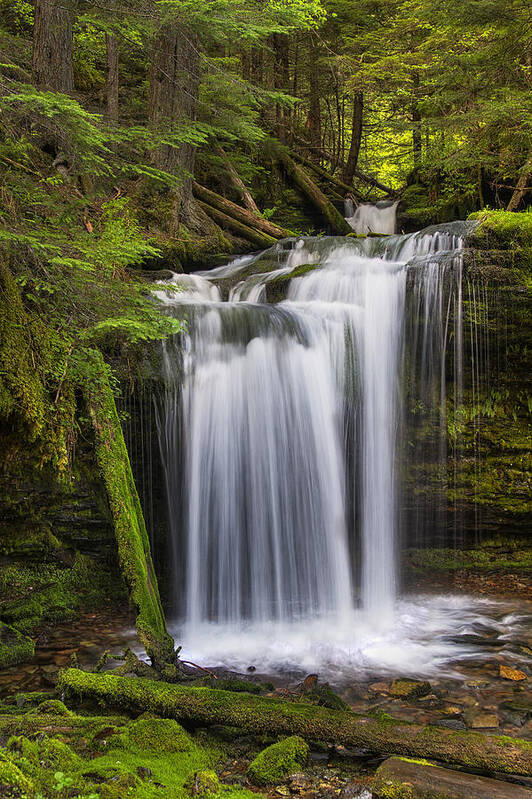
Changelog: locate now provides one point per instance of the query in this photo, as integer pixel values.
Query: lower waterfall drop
(280, 434)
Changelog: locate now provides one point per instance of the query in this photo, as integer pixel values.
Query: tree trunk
(252, 235)
(241, 214)
(281, 82)
(173, 98)
(314, 107)
(521, 187)
(416, 119)
(111, 44)
(263, 715)
(332, 216)
(238, 183)
(53, 46)
(348, 171)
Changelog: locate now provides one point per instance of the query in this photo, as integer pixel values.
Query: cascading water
(372, 218)
(289, 421)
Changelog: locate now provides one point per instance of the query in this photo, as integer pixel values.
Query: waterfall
(369, 218)
(282, 428)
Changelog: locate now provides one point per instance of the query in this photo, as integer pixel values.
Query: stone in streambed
(276, 762)
(418, 779)
(481, 719)
(511, 674)
(409, 689)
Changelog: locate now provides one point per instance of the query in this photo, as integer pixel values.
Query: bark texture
(173, 99)
(53, 46)
(112, 84)
(264, 715)
(348, 171)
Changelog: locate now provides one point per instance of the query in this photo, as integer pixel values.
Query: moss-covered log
(242, 215)
(264, 715)
(250, 234)
(299, 177)
(130, 530)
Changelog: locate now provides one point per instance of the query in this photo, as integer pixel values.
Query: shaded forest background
(131, 131)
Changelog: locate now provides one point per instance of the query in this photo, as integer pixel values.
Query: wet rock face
(400, 777)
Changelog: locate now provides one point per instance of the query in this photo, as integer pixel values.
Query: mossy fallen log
(265, 715)
(130, 530)
(312, 192)
(250, 234)
(239, 214)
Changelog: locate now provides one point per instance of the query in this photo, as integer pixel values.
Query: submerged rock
(409, 689)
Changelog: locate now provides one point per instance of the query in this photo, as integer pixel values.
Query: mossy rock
(52, 707)
(276, 762)
(14, 647)
(410, 689)
(203, 783)
(159, 735)
(324, 696)
(13, 783)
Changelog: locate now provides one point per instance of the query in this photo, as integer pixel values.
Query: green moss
(203, 783)
(493, 555)
(324, 696)
(14, 647)
(159, 735)
(509, 230)
(278, 761)
(52, 706)
(48, 593)
(130, 529)
(13, 783)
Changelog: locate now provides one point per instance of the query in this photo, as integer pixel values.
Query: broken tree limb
(313, 193)
(319, 170)
(240, 214)
(357, 172)
(264, 715)
(250, 234)
(238, 183)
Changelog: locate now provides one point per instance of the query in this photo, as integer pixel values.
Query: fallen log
(426, 780)
(313, 193)
(319, 170)
(252, 235)
(264, 715)
(238, 183)
(240, 214)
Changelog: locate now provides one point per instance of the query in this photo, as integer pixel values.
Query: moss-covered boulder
(14, 647)
(159, 735)
(203, 783)
(13, 783)
(506, 232)
(276, 762)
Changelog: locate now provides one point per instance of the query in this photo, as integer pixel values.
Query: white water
(369, 218)
(280, 434)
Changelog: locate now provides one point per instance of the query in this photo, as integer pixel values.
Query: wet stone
(481, 720)
(409, 689)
